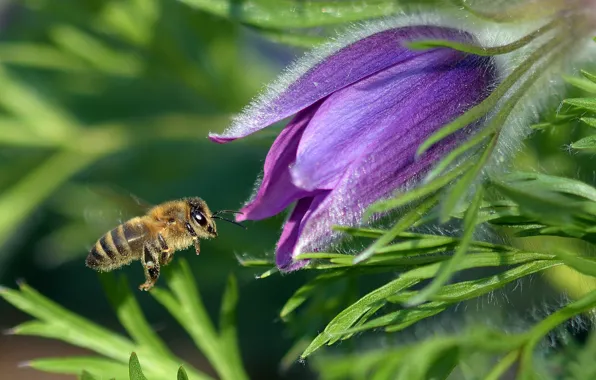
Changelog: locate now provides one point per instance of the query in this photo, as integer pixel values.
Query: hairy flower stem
(503, 365)
(485, 51)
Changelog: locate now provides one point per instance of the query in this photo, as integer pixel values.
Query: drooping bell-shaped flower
(360, 115)
(362, 109)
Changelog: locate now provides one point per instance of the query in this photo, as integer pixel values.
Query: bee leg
(195, 238)
(166, 252)
(151, 269)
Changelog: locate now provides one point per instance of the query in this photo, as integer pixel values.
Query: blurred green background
(120, 95)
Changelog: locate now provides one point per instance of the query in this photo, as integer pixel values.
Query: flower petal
(292, 229)
(276, 191)
(348, 65)
(414, 97)
(375, 176)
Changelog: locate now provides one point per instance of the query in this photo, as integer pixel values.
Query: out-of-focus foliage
(121, 93)
(148, 62)
(578, 109)
(219, 345)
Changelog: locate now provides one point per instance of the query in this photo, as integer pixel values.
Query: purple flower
(360, 114)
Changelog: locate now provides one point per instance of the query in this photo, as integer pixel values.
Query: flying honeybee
(154, 237)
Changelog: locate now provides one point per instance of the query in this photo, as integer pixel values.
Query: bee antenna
(227, 220)
(227, 211)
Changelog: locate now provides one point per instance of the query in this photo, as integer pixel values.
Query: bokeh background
(103, 98)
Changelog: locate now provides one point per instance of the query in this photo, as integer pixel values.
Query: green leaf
(442, 367)
(354, 312)
(59, 323)
(362, 232)
(295, 13)
(182, 374)
(427, 357)
(462, 187)
(584, 103)
(18, 201)
(130, 315)
(399, 320)
(362, 365)
(305, 291)
(551, 205)
(581, 83)
(580, 264)
(589, 76)
(466, 147)
(395, 260)
(40, 56)
(227, 323)
(405, 222)
(267, 273)
(566, 186)
(86, 376)
(433, 358)
(418, 193)
(183, 301)
(42, 115)
(591, 121)
(587, 143)
(254, 262)
(450, 294)
(350, 315)
(96, 52)
(449, 266)
(134, 368)
(55, 322)
(93, 365)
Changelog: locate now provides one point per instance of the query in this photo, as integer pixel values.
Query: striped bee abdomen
(119, 246)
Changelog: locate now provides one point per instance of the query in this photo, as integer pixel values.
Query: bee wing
(122, 197)
(110, 205)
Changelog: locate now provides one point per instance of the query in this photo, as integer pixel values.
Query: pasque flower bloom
(362, 109)
(360, 115)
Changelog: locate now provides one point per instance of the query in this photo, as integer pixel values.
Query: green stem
(503, 365)
(480, 50)
(404, 223)
(449, 267)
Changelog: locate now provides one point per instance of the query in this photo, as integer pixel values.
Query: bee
(154, 237)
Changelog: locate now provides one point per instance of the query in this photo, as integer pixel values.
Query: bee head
(201, 217)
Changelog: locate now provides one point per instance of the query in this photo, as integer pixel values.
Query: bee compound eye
(200, 218)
